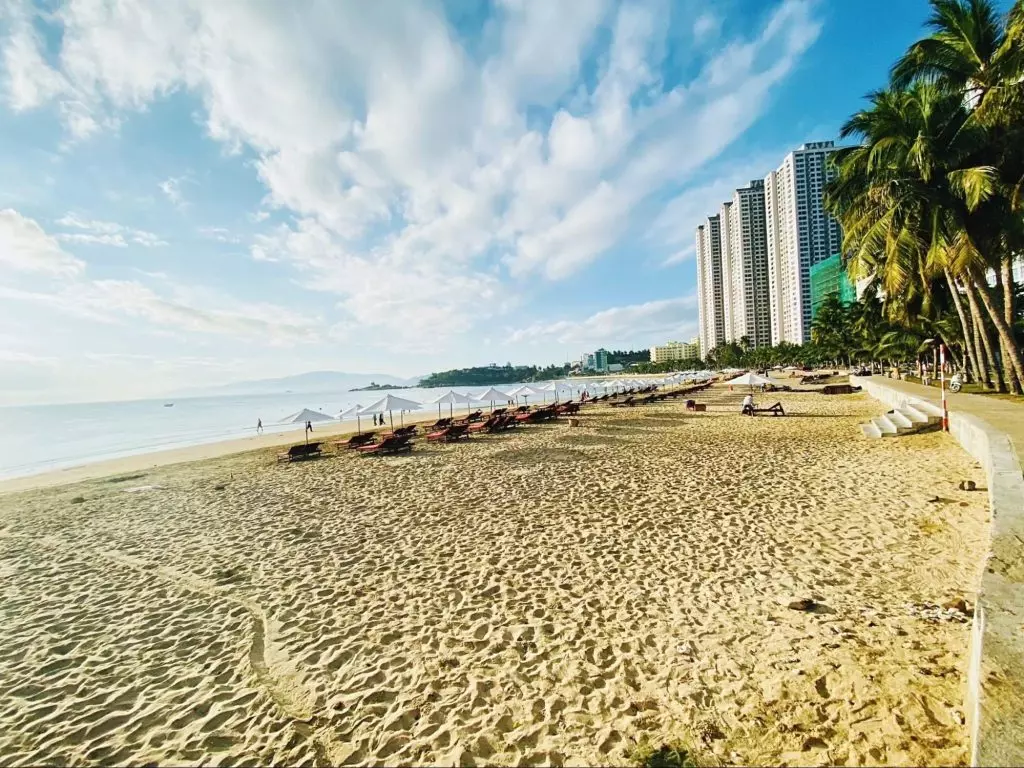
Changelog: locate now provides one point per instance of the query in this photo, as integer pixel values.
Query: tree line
(930, 200)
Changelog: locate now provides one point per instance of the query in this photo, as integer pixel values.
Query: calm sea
(44, 437)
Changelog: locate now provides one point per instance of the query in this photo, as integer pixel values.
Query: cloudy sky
(198, 191)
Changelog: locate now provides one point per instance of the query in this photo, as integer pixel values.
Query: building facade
(746, 254)
(710, 307)
(674, 351)
(828, 278)
(800, 234)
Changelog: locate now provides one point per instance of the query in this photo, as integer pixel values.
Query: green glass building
(829, 278)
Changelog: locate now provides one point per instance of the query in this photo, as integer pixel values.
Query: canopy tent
(450, 397)
(306, 415)
(355, 411)
(390, 403)
(749, 379)
(493, 396)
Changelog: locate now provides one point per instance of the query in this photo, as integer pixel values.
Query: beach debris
(219, 487)
(959, 604)
(574, 423)
(78, 500)
(967, 485)
(805, 604)
(709, 731)
(954, 610)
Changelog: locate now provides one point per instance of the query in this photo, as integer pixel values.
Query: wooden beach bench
(300, 452)
(774, 410)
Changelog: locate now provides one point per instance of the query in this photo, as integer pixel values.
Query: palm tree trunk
(970, 350)
(986, 360)
(1006, 275)
(1009, 347)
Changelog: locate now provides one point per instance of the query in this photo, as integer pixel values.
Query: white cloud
(426, 179)
(706, 26)
(637, 324)
(171, 187)
(117, 301)
(680, 256)
(105, 233)
(30, 81)
(25, 247)
(220, 234)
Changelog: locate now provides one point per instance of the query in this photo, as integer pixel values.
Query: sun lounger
(408, 431)
(483, 426)
(450, 434)
(363, 438)
(387, 447)
(439, 424)
(475, 416)
(774, 410)
(627, 403)
(300, 452)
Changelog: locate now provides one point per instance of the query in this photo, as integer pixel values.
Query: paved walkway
(1005, 415)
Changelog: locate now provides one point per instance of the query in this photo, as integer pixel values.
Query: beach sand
(547, 596)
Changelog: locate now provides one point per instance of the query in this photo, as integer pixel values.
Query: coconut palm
(973, 55)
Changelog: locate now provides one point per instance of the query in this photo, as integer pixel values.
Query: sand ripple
(549, 596)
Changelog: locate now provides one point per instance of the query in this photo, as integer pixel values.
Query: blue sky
(197, 192)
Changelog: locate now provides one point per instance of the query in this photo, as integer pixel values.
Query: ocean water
(41, 438)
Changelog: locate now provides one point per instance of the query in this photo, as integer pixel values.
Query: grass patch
(671, 755)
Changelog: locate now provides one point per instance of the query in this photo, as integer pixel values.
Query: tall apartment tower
(746, 253)
(799, 235)
(710, 306)
(728, 297)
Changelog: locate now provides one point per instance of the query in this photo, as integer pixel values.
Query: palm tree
(970, 53)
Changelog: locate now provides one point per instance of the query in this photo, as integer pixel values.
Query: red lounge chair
(356, 441)
(387, 447)
(300, 452)
(450, 434)
(483, 425)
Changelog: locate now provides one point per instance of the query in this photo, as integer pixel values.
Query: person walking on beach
(259, 426)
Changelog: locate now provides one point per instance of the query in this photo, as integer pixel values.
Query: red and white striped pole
(942, 386)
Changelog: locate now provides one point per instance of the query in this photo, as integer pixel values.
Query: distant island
(374, 387)
(493, 375)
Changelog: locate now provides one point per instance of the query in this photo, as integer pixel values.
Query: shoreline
(146, 460)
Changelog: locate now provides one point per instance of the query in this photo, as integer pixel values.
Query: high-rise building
(799, 235)
(745, 252)
(728, 294)
(675, 350)
(710, 308)
(828, 278)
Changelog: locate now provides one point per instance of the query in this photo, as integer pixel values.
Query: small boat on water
(168, 405)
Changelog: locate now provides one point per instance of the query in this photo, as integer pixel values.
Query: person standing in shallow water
(259, 426)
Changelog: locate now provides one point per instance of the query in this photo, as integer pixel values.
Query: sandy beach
(546, 596)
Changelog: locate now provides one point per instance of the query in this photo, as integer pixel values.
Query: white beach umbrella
(525, 391)
(451, 397)
(356, 411)
(306, 415)
(749, 379)
(390, 403)
(493, 395)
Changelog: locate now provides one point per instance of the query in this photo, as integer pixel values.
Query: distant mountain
(314, 381)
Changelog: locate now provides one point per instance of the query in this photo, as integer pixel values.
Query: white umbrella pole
(391, 416)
